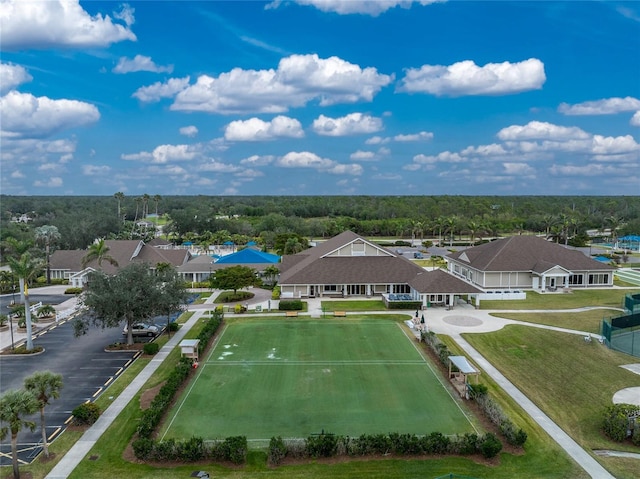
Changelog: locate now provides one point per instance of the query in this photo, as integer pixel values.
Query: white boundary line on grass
(427, 361)
(184, 399)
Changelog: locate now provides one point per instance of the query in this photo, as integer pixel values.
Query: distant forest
(211, 219)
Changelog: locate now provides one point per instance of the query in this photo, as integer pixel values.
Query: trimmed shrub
(322, 445)
(191, 450)
(151, 348)
(489, 445)
(616, 421)
(277, 451)
(173, 326)
(275, 294)
(73, 291)
(404, 305)
(143, 448)
(234, 449)
(86, 414)
(291, 305)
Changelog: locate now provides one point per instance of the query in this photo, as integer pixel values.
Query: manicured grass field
(295, 378)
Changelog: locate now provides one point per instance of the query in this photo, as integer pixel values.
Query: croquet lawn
(294, 378)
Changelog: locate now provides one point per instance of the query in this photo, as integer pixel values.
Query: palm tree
(119, 196)
(44, 385)
(17, 247)
(614, 223)
(473, 227)
(26, 268)
(451, 223)
(98, 251)
(14, 405)
(156, 200)
(145, 205)
(47, 235)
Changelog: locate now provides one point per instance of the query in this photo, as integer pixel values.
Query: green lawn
(365, 305)
(296, 378)
(588, 321)
(570, 380)
(579, 298)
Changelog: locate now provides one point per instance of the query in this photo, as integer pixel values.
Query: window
(601, 278)
(576, 279)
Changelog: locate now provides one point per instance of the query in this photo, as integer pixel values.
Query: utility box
(189, 348)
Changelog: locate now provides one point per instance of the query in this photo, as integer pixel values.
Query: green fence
(632, 303)
(623, 333)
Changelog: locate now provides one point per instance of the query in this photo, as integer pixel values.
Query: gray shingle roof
(313, 267)
(525, 253)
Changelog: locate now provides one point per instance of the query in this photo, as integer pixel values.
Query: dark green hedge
(331, 445)
(290, 305)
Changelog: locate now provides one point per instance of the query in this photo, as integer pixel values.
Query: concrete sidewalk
(80, 449)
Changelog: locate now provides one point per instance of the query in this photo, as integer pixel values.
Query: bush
(151, 348)
(291, 305)
(489, 445)
(73, 291)
(322, 445)
(234, 449)
(275, 294)
(477, 390)
(173, 326)
(86, 414)
(616, 421)
(277, 451)
(239, 309)
(404, 305)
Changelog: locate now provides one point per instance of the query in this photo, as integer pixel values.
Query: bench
(339, 314)
(291, 314)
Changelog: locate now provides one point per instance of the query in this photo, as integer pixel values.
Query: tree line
(216, 219)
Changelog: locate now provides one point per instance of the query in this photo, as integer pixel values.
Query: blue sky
(320, 97)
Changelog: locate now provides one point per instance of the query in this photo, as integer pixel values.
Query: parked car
(142, 329)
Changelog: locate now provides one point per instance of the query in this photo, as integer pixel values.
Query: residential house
(67, 264)
(528, 262)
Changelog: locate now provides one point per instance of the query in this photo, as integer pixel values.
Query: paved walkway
(463, 318)
(81, 448)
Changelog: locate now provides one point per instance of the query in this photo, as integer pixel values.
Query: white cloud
(352, 124)
(60, 23)
(257, 160)
(349, 169)
(165, 154)
(53, 182)
(635, 119)
(27, 116)
(11, 76)
(537, 130)
(442, 157)
(304, 159)
(610, 145)
(591, 169)
(466, 78)
(364, 7)
(377, 140)
(189, 131)
(387, 177)
(140, 63)
(607, 106)
(255, 129)
(219, 167)
(484, 150)
(95, 170)
(362, 156)
(518, 169)
(298, 80)
(422, 136)
(160, 90)
(17, 174)
(50, 167)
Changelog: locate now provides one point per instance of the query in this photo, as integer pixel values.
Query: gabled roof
(249, 256)
(320, 267)
(123, 251)
(440, 282)
(525, 253)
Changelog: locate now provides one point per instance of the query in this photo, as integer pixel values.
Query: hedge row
(232, 449)
(151, 417)
(290, 305)
(492, 410)
(330, 445)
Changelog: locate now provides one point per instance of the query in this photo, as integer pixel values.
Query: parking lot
(85, 366)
